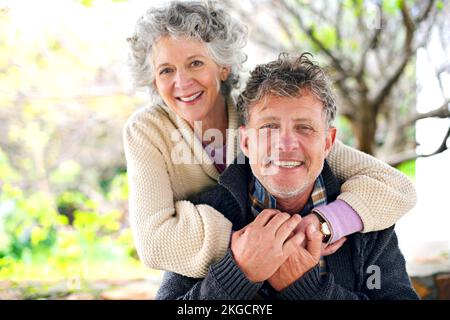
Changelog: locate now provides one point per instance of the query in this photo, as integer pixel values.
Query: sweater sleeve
(171, 235)
(379, 193)
(391, 282)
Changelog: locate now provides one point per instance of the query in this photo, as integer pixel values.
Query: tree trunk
(364, 126)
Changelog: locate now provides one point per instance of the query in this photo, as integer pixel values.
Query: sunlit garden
(64, 99)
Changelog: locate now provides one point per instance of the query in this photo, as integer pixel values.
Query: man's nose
(287, 141)
(183, 80)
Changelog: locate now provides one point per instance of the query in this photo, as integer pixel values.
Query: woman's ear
(224, 73)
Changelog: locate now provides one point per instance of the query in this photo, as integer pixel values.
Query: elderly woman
(188, 55)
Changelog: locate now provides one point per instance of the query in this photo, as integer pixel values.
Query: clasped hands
(279, 248)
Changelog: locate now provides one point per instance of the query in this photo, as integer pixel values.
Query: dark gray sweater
(350, 270)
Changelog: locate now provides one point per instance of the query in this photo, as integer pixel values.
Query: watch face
(325, 229)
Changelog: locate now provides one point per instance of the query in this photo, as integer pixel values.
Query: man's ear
(329, 140)
(243, 141)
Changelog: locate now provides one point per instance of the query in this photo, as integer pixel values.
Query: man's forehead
(303, 106)
(308, 118)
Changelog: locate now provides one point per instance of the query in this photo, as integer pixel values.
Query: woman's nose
(183, 80)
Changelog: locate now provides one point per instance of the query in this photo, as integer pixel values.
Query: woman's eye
(196, 63)
(165, 71)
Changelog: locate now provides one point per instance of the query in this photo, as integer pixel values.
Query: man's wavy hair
(286, 77)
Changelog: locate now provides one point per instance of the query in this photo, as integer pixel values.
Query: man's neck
(295, 204)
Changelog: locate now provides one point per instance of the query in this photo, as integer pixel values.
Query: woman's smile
(190, 99)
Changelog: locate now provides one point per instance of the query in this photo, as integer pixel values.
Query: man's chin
(284, 192)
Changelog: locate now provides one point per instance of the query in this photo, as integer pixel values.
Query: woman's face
(187, 78)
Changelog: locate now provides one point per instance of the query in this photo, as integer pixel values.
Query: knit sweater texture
(171, 233)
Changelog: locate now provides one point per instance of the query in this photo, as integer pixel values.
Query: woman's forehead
(169, 48)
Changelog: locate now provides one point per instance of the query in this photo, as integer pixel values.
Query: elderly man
(276, 249)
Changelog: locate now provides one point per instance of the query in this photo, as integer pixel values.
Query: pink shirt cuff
(342, 219)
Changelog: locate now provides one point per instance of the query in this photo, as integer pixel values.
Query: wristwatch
(324, 227)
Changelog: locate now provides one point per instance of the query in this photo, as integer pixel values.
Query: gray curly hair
(223, 36)
(285, 77)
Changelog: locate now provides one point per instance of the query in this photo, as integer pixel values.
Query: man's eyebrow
(302, 120)
(269, 118)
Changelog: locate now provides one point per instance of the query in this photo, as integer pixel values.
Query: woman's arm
(378, 193)
(174, 236)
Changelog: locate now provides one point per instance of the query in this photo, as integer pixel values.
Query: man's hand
(262, 246)
(300, 262)
(326, 249)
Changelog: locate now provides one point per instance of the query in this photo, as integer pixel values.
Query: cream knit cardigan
(173, 234)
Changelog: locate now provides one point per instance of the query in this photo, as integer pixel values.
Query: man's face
(286, 141)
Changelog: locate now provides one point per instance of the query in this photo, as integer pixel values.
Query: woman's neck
(216, 120)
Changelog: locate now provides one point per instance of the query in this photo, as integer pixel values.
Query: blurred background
(65, 96)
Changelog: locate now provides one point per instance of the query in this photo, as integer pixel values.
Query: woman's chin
(190, 114)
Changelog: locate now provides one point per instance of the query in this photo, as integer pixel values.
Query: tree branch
(439, 71)
(426, 35)
(442, 69)
(407, 53)
(372, 44)
(442, 147)
(261, 38)
(397, 159)
(407, 20)
(389, 84)
(441, 112)
(424, 15)
(259, 35)
(336, 62)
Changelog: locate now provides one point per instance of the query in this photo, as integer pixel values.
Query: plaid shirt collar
(261, 199)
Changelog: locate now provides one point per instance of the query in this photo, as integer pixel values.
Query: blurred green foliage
(61, 233)
(408, 168)
(63, 186)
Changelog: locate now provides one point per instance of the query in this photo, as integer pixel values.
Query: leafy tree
(369, 49)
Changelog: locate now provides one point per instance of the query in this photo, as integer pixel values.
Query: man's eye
(269, 126)
(196, 63)
(305, 129)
